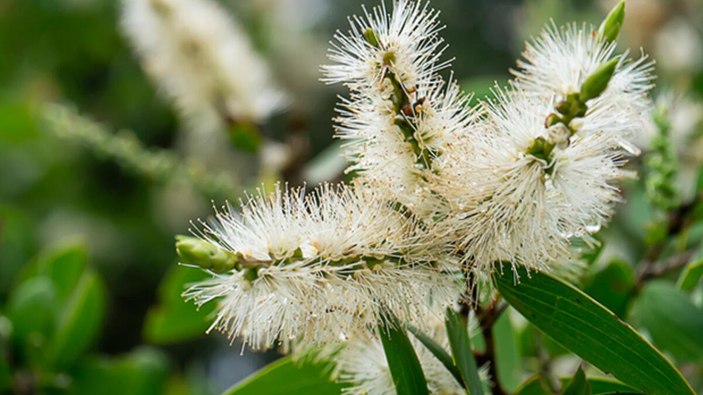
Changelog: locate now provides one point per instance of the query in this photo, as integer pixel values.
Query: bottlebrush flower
(400, 114)
(201, 59)
(314, 269)
(560, 60)
(404, 41)
(509, 201)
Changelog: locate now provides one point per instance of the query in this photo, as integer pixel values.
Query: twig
(545, 365)
(486, 318)
(651, 271)
(678, 220)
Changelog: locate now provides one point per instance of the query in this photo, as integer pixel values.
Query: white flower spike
(317, 269)
(201, 59)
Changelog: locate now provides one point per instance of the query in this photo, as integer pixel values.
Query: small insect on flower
(314, 269)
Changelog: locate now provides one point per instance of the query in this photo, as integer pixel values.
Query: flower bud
(610, 28)
(596, 83)
(194, 251)
(371, 37)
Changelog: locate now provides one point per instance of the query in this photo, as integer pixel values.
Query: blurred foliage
(90, 298)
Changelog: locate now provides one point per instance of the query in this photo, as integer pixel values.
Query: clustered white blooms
(201, 59)
(442, 188)
(319, 268)
(400, 115)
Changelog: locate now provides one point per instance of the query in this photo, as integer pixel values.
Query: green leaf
(286, 377)
(460, 345)
(599, 386)
(403, 363)
(613, 286)
(691, 275)
(588, 329)
(673, 321)
(439, 352)
(173, 319)
(142, 372)
(78, 323)
(69, 300)
(578, 385)
(5, 377)
(699, 180)
(507, 350)
(31, 310)
(64, 267)
(5, 372)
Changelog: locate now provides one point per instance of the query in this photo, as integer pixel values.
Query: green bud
(551, 120)
(245, 136)
(596, 83)
(541, 149)
(610, 28)
(194, 251)
(371, 37)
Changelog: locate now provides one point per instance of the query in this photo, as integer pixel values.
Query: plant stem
(487, 317)
(678, 221)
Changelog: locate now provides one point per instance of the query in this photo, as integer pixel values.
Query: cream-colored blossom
(201, 59)
(508, 205)
(317, 269)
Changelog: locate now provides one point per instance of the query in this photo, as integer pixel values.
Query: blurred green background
(89, 287)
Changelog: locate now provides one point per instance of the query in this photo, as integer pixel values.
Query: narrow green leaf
(588, 329)
(578, 385)
(460, 344)
(508, 358)
(599, 386)
(673, 321)
(691, 275)
(286, 377)
(403, 363)
(699, 180)
(439, 352)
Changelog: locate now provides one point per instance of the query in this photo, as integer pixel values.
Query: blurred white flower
(201, 59)
(320, 268)
(678, 46)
